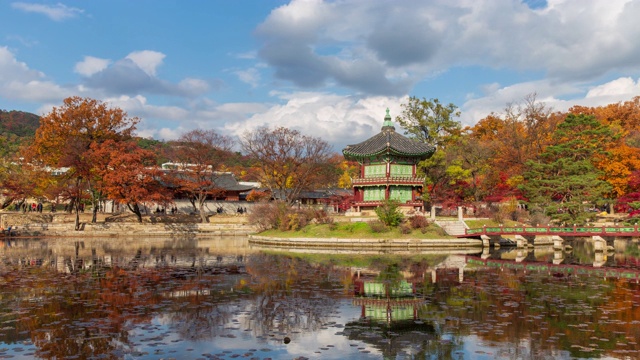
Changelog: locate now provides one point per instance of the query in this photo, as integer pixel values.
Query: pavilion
(388, 169)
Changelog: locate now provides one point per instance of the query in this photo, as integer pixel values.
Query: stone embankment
(168, 226)
(64, 225)
(390, 244)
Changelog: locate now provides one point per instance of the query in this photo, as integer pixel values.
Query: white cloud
(91, 65)
(11, 69)
(194, 86)
(340, 120)
(147, 60)
(57, 12)
(577, 40)
(250, 76)
(624, 86)
(19, 82)
(134, 75)
(557, 96)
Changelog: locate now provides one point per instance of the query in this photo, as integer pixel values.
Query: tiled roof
(388, 142)
(222, 180)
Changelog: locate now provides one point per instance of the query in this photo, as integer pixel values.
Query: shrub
(271, 215)
(405, 228)
(539, 218)
(295, 221)
(378, 226)
(322, 217)
(418, 222)
(388, 213)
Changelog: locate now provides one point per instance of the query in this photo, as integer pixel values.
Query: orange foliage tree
(68, 132)
(130, 176)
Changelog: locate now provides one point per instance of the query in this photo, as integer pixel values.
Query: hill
(16, 128)
(19, 123)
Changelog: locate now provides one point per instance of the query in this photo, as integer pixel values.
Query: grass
(356, 230)
(474, 224)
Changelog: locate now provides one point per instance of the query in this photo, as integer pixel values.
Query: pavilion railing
(414, 180)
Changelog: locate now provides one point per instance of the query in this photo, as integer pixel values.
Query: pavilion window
(401, 170)
(400, 193)
(374, 193)
(371, 171)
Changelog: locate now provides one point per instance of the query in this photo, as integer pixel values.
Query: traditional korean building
(388, 169)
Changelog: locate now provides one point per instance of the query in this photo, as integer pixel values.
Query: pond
(220, 298)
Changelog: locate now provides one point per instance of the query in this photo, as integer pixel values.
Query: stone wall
(64, 225)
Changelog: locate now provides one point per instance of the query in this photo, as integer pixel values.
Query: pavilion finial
(388, 124)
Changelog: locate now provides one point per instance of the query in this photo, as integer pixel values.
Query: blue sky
(326, 68)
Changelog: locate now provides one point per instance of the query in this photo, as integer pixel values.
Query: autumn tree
(130, 177)
(20, 180)
(624, 154)
(68, 132)
(200, 155)
(349, 170)
(289, 162)
(434, 123)
(563, 180)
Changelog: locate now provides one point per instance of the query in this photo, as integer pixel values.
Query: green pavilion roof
(388, 141)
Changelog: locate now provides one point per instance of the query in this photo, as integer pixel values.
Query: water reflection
(219, 298)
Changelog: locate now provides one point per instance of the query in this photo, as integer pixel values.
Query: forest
(559, 166)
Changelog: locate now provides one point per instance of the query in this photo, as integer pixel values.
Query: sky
(329, 69)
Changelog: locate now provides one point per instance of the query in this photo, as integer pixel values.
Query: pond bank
(340, 243)
(62, 225)
(34, 225)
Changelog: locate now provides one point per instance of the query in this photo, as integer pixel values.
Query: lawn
(475, 224)
(357, 230)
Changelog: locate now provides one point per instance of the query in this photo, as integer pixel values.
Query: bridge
(604, 231)
(602, 235)
(557, 268)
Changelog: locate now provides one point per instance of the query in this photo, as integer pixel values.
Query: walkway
(604, 231)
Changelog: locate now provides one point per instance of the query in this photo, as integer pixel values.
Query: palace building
(388, 169)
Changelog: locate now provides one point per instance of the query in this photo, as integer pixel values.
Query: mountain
(19, 123)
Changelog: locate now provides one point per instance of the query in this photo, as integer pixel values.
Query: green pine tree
(563, 181)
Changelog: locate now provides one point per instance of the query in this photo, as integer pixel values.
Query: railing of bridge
(621, 273)
(556, 230)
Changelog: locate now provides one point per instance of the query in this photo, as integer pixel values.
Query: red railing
(409, 180)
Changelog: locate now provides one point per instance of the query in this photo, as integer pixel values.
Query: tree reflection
(95, 306)
(292, 295)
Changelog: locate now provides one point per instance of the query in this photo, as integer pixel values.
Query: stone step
(452, 227)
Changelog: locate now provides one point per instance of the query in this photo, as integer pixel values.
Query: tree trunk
(94, 215)
(77, 223)
(203, 216)
(136, 210)
(6, 202)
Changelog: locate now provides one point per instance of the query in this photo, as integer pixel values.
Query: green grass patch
(478, 223)
(356, 230)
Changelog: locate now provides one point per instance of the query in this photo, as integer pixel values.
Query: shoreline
(340, 243)
(234, 226)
